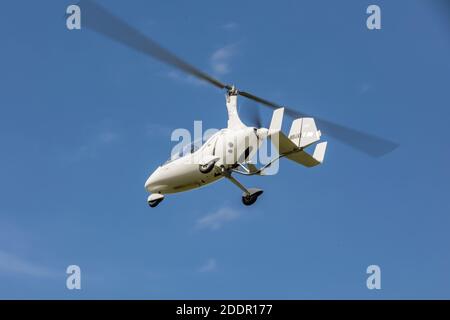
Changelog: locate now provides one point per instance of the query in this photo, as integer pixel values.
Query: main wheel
(249, 200)
(207, 167)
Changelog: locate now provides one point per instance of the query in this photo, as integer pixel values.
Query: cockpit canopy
(181, 151)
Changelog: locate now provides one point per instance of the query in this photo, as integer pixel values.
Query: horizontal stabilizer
(308, 160)
(282, 143)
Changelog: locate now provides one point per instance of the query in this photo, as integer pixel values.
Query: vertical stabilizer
(304, 132)
(277, 121)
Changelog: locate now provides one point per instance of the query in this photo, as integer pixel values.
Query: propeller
(249, 111)
(100, 20)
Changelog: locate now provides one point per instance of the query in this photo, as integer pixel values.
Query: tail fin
(277, 121)
(303, 133)
(319, 151)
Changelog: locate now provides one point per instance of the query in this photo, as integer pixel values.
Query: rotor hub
(232, 90)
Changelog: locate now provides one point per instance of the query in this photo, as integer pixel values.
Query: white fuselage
(230, 146)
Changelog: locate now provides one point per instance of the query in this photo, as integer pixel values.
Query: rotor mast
(234, 122)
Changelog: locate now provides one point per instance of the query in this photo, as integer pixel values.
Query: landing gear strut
(249, 196)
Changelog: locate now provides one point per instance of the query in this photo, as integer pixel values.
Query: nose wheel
(154, 199)
(153, 204)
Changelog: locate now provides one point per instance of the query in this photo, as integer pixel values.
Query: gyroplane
(229, 151)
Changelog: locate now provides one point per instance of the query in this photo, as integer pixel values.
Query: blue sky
(84, 121)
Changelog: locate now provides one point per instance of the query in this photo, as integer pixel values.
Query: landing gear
(154, 203)
(251, 197)
(154, 199)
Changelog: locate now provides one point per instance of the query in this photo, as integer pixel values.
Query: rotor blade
(100, 20)
(370, 144)
(260, 100)
(367, 143)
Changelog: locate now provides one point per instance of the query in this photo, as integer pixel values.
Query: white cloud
(220, 59)
(365, 87)
(158, 130)
(181, 77)
(12, 264)
(231, 25)
(107, 137)
(93, 146)
(216, 220)
(209, 266)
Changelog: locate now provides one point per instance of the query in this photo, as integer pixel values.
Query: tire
(249, 200)
(154, 203)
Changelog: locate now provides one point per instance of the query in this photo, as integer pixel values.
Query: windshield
(181, 151)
